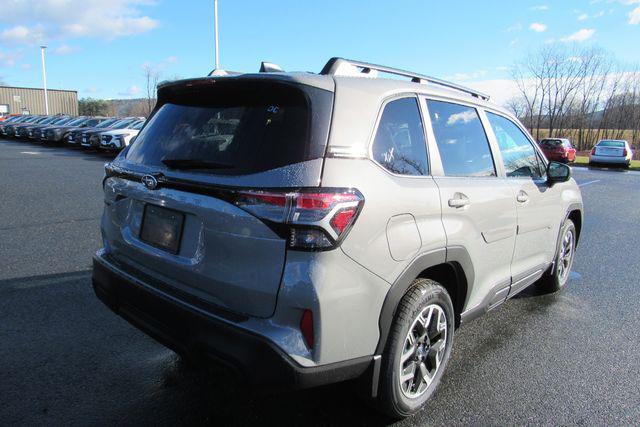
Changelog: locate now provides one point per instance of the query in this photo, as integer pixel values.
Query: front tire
(418, 349)
(565, 253)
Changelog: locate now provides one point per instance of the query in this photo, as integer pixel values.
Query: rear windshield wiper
(194, 164)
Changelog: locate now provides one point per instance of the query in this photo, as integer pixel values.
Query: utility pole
(215, 22)
(44, 80)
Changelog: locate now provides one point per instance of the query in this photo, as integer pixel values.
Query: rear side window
(235, 127)
(399, 145)
(518, 154)
(462, 142)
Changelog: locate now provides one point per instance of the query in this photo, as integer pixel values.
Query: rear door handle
(459, 200)
(522, 197)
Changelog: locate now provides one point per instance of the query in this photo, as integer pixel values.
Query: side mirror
(558, 172)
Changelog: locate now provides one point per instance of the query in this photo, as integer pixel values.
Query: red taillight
(624, 152)
(342, 219)
(306, 327)
(593, 150)
(316, 220)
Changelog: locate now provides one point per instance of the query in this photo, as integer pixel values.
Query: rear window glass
(235, 128)
(618, 144)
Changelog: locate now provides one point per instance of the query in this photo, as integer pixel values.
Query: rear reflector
(306, 327)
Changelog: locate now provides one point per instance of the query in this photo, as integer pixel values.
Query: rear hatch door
(169, 200)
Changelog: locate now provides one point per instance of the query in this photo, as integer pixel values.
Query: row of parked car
(102, 133)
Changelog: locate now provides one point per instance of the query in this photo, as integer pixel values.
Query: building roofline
(37, 88)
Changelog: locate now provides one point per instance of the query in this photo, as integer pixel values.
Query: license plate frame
(157, 222)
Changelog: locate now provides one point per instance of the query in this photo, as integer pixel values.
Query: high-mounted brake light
(313, 220)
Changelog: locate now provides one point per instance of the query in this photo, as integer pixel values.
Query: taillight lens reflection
(316, 220)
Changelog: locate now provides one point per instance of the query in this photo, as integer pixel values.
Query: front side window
(399, 145)
(519, 156)
(462, 142)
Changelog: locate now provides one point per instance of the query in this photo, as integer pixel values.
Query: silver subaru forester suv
(304, 229)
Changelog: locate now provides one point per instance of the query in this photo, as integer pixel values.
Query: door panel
(486, 227)
(539, 205)
(538, 213)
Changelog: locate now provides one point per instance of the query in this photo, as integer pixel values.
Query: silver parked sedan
(611, 151)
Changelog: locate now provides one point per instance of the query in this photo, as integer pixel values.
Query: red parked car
(558, 149)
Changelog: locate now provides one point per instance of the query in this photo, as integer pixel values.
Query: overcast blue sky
(99, 47)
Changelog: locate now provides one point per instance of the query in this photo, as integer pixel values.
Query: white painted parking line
(588, 182)
(30, 152)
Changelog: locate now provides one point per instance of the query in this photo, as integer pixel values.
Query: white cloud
(464, 117)
(500, 90)
(64, 50)
(541, 7)
(25, 66)
(131, 91)
(9, 59)
(21, 34)
(634, 16)
(34, 21)
(460, 77)
(583, 17)
(580, 36)
(538, 27)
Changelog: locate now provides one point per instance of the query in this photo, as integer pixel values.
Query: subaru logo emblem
(150, 182)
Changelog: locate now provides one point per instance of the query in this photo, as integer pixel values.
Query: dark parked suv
(303, 229)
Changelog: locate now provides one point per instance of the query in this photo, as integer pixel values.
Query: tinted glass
(122, 124)
(106, 123)
(519, 156)
(92, 122)
(551, 143)
(618, 144)
(399, 145)
(462, 142)
(239, 128)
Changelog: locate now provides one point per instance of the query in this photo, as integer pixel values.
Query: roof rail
(336, 66)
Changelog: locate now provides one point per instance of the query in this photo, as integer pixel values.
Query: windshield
(106, 123)
(47, 120)
(242, 128)
(138, 126)
(555, 143)
(77, 122)
(62, 121)
(609, 143)
(122, 124)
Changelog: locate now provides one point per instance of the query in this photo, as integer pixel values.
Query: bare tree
(576, 93)
(152, 77)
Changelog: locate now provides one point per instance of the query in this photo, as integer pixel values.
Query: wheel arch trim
(443, 256)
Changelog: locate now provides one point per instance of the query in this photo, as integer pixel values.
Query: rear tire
(418, 349)
(558, 276)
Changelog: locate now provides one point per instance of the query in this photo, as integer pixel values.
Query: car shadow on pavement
(78, 361)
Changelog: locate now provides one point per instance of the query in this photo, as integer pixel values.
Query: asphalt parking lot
(568, 358)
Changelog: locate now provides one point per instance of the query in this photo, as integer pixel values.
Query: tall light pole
(215, 23)
(44, 81)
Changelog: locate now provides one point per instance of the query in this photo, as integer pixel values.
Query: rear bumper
(193, 332)
(617, 160)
